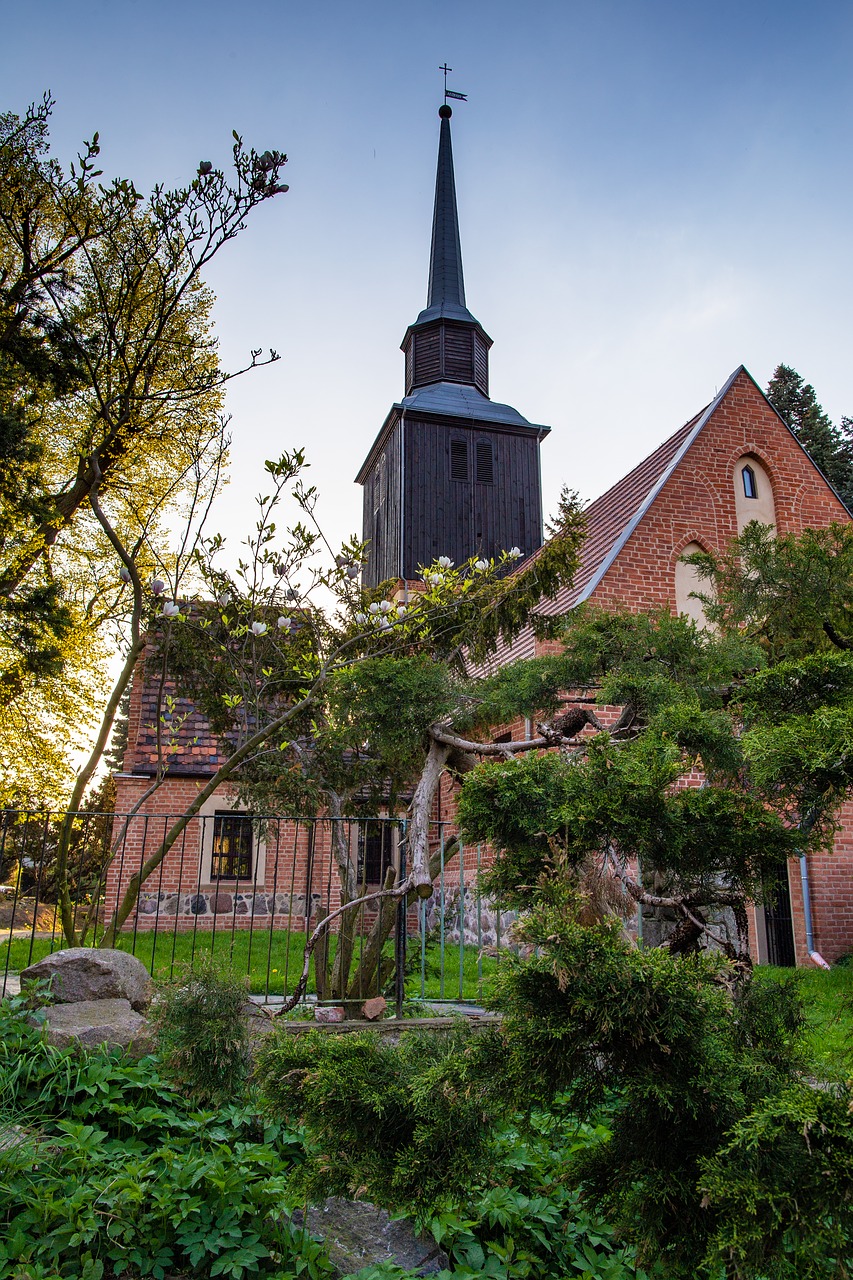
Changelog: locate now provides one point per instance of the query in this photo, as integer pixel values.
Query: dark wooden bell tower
(451, 472)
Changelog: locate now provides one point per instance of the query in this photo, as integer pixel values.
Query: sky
(650, 194)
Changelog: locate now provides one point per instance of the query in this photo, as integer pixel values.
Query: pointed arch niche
(753, 493)
(687, 579)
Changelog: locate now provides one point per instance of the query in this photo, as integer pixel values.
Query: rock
(86, 973)
(357, 1234)
(95, 1022)
(375, 1008)
(323, 1013)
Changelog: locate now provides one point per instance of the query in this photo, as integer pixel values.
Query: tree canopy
(831, 446)
(110, 385)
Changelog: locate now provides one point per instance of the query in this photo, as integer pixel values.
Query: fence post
(400, 937)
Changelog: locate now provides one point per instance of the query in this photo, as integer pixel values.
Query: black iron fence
(249, 892)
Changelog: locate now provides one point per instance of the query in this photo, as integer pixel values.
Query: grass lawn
(273, 961)
(828, 998)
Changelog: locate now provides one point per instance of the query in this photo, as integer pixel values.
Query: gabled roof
(612, 518)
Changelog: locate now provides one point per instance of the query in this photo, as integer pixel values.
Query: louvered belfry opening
(485, 462)
(444, 352)
(458, 459)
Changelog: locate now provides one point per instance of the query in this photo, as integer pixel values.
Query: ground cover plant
(107, 1169)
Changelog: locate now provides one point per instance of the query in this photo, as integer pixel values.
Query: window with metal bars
(458, 459)
(231, 856)
(485, 462)
(375, 851)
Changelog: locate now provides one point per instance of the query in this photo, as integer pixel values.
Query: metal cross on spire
(450, 93)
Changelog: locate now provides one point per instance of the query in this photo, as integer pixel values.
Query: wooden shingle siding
(458, 355)
(427, 356)
(481, 365)
(382, 512)
(460, 517)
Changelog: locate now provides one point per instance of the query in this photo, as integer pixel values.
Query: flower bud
(158, 586)
(124, 573)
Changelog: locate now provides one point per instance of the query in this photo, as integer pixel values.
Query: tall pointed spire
(446, 292)
(446, 343)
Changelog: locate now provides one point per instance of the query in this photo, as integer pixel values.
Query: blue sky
(650, 194)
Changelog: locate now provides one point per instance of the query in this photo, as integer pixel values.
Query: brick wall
(697, 504)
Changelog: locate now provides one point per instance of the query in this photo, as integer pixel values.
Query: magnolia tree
(317, 690)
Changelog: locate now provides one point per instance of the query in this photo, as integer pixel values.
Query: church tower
(451, 472)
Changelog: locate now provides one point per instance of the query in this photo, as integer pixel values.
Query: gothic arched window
(753, 492)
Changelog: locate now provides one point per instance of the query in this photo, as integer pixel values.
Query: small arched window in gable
(688, 580)
(753, 493)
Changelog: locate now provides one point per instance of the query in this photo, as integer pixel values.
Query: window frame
(232, 817)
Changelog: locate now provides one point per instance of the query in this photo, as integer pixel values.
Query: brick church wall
(697, 504)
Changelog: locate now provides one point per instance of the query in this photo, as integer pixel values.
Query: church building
(452, 472)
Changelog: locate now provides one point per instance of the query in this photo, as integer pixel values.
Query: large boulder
(86, 973)
(96, 1022)
(358, 1234)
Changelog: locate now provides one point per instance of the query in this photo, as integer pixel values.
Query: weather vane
(451, 93)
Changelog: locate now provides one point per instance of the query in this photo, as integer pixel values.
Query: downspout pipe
(807, 902)
(814, 956)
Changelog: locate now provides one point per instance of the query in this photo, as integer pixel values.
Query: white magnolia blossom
(445, 562)
(385, 606)
(223, 599)
(158, 586)
(514, 553)
(124, 573)
(373, 608)
(170, 609)
(258, 628)
(283, 624)
(361, 619)
(384, 625)
(481, 565)
(401, 611)
(434, 579)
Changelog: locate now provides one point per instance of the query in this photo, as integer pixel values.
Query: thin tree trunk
(365, 976)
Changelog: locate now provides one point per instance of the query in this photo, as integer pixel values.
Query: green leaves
(116, 1173)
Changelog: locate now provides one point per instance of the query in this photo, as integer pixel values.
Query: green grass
(828, 998)
(273, 963)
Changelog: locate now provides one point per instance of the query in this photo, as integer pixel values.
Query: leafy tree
(312, 703)
(109, 383)
(831, 447)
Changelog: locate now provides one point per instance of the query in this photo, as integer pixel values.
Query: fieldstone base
(479, 923)
(244, 906)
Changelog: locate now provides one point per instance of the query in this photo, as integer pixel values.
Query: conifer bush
(202, 1038)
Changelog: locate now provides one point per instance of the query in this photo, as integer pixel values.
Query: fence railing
(248, 892)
